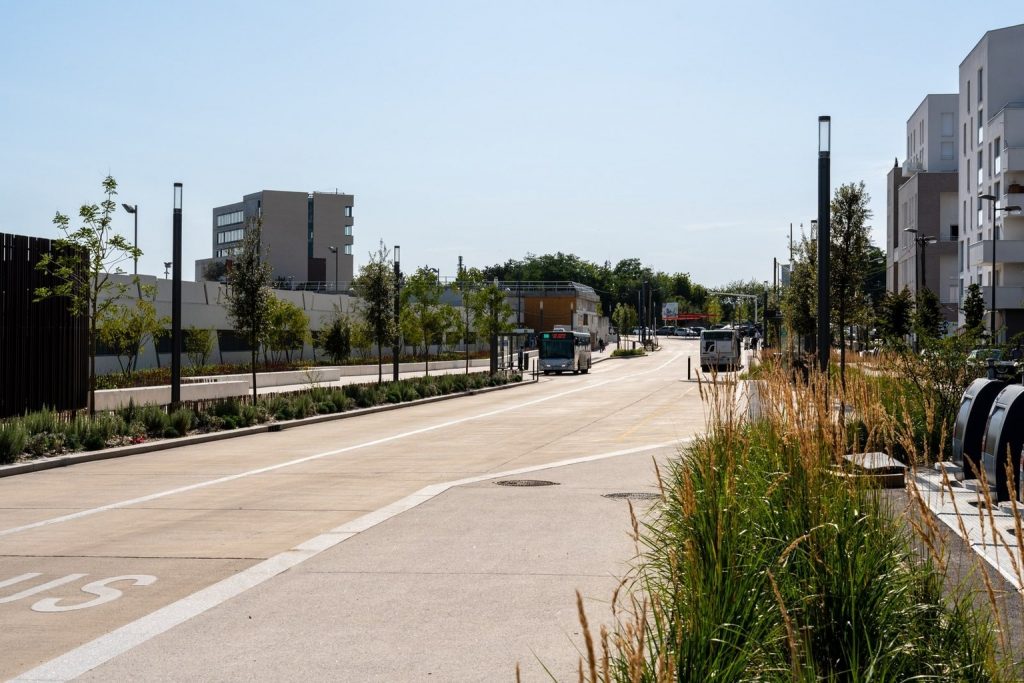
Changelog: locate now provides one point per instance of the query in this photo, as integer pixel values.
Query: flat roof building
(307, 237)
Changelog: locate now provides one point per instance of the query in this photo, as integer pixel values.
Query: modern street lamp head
(909, 229)
(824, 135)
(1010, 208)
(177, 196)
(989, 197)
(333, 250)
(398, 251)
(129, 208)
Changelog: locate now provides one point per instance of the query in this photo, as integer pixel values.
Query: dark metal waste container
(969, 429)
(1004, 437)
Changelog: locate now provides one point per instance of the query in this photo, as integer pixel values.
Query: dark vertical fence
(44, 356)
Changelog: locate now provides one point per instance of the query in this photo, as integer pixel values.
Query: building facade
(991, 164)
(922, 224)
(307, 237)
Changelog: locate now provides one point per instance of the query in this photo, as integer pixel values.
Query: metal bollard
(687, 367)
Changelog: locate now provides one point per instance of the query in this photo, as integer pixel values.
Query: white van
(720, 349)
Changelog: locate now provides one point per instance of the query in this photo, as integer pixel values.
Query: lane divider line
(316, 456)
(87, 657)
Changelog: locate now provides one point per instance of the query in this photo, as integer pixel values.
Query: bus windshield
(556, 348)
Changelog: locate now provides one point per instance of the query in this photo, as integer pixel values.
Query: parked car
(1004, 367)
(666, 331)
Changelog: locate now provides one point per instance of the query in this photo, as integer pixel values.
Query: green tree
(375, 287)
(974, 308)
(800, 301)
(421, 296)
(895, 315)
(409, 328)
(848, 257)
(928, 320)
(449, 326)
(713, 308)
(336, 336)
(249, 300)
(127, 327)
(289, 329)
(469, 280)
(624, 319)
(82, 262)
(198, 343)
(362, 338)
(491, 312)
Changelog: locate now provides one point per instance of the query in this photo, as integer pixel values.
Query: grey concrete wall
(329, 223)
(285, 224)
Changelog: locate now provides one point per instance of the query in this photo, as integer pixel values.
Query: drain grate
(526, 482)
(633, 495)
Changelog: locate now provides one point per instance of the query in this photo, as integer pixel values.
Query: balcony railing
(1007, 251)
(1006, 297)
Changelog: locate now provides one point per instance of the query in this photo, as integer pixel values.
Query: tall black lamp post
(134, 210)
(334, 250)
(176, 303)
(398, 311)
(824, 237)
(995, 238)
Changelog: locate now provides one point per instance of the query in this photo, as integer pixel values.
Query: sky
(680, 133)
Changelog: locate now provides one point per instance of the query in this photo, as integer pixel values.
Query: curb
(167, 444)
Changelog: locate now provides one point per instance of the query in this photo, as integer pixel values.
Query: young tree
(289, 328)
(848, 257)
(800, 302)
(249, 299)
(714, 310)
(421, 296)
(974, 308)
(449, 326)
(127, 327)
(362, 338)
(336, 336)
(89, 289)
(928, 321)
(895, 315)
(375, 287)
(491, 312)
(624, 318)
(198, 343)
(409, 328)
(467, 283)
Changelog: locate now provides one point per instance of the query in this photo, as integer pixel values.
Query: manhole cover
(526, 482)
(632, 495)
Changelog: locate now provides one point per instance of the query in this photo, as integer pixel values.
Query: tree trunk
(92, 360)
(842, 345)
(380, 364)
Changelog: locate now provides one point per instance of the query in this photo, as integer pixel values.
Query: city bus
(562, 351)
(720, 349)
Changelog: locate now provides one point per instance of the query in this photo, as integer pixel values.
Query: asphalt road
(106, 567)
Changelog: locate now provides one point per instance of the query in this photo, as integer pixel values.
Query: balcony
(1007, 251)
(1013, 158)
(1006, 297)
(911, 167)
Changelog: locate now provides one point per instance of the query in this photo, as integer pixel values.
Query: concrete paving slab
(459, 589)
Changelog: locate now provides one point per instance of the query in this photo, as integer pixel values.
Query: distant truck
(720, 349)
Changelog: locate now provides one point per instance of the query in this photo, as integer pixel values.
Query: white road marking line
(83, 659)
(315, 456)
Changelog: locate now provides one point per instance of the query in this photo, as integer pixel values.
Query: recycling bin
(1004, 438)
(969, 429)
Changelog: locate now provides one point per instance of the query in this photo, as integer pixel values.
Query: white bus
(564, 351)
(719, 349)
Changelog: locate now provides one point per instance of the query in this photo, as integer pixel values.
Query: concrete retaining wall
(112, 399)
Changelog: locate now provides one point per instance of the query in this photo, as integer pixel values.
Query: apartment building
(991, 165)
(307, 237)
(922, 225)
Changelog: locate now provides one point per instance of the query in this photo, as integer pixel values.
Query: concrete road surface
(343, 550)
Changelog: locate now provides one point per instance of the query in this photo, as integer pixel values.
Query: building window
(964, 139)
(968, 97)
(235, 235)
(981, 168)
(348, 249)
(229, 218)
(920, 134)
(954, 232)
(981, 216)
(348, 212)
(981, 128)
(947, 150)
(947, 124)
(348, 231)
(981, 86)
(998, 156)
(968, 180)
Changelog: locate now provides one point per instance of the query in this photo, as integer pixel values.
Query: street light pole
(334, 250)
(995, 238)
(824, 237)
(176, 303)
(134, 210)
(398, 311)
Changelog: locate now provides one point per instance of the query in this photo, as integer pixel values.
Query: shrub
(155, 419)
(41, 422)
(181, 420)
(13, 438)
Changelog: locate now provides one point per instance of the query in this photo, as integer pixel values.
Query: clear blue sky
(681, 133)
